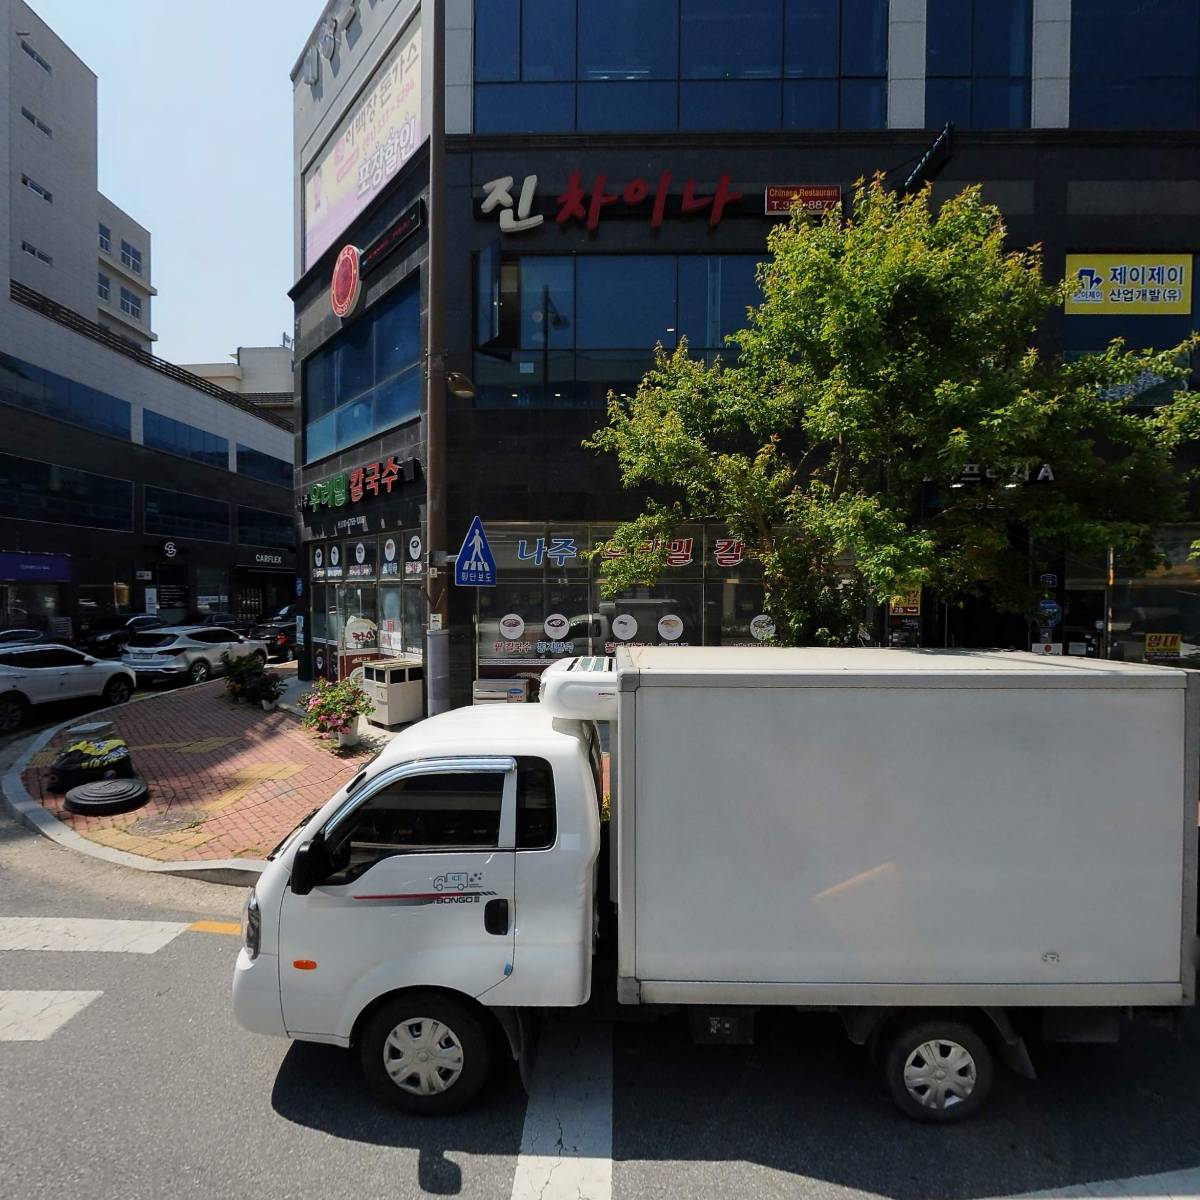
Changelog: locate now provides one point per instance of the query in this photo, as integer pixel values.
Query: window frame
(36, 188)
(131, 303)
(131, 257)
(473, 765)
(36, 122)
(104, 237)
(37, 58)
(104, 287)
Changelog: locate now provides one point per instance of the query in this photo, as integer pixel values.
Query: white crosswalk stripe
(34, 1016)
(86, 933)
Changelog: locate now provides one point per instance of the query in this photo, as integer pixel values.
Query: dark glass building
(613, 167)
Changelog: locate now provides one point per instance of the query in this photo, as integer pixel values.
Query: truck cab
(457, 873)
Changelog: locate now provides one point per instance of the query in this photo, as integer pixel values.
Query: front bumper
(256, 1002)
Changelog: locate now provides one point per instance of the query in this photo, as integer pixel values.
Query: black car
(105, 636)
(222, 620)
(280, 636)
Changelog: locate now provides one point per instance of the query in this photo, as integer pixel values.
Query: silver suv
(191, 652)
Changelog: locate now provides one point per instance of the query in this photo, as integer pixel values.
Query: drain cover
(160, 823)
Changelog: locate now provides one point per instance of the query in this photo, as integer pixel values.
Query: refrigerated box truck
(958, 852)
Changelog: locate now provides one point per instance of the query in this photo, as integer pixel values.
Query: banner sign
(1163, 645)
(1150, 284)
(376, 138)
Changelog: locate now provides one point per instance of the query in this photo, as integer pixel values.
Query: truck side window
(421, 813)
(537, 820)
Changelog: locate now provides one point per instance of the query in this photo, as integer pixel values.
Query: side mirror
(309, 866)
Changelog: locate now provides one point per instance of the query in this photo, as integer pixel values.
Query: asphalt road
(151, 1090)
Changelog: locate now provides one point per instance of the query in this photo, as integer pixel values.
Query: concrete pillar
(1051, 91)
(906, 64)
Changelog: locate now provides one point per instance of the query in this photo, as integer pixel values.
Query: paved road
(141, 1085)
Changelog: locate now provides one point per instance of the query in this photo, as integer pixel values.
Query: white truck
(957, 852)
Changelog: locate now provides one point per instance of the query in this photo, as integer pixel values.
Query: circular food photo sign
(346, 285)
(670, 627)
(360, 553)
(556, 626)
(762, 628)
(389, 550)
(359, 634)
(512, 627)
(335, 556)
(318, 557)
(624, 626)
(414, 547)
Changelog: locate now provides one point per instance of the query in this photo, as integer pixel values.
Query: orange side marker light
(304, 964)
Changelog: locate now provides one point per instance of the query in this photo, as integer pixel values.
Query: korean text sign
(375, 139)
(1104, 284)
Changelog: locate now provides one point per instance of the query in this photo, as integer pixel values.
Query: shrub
(334, 707)
(239, 672)
(265, 685)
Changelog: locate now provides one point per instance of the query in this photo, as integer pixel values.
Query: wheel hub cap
(423, 1056)
(940, 1074)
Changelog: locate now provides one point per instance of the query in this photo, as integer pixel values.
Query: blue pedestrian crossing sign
(475, 566)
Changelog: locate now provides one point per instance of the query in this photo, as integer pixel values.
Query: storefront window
(320, 615)
(104, 587)
(357, 626)
(212, 589)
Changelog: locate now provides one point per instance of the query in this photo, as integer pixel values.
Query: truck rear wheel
(938, 1071)
(425, 1053)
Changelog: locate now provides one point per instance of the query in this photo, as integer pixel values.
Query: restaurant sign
(584, 203)
(780, 198)
(351, 487)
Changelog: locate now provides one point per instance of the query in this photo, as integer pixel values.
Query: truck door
(420, 891)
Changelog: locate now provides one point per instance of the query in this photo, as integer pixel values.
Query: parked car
(11, 637)
(105, 636)
(279, 633)
(39, 673)
(222, 620)
(191, 652)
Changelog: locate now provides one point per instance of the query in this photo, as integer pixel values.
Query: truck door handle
(495, 916)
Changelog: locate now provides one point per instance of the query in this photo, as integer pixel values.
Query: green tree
(892, 351)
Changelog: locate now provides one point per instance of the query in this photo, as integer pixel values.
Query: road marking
(34, 1016)
(566, 1145)
(231, 927)
(1170, 1185)
(86, 933)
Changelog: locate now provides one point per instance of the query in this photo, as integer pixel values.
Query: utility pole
(437, 635)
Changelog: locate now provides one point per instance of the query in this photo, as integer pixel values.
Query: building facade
(126, 483)
(259, 374)
(613, 171)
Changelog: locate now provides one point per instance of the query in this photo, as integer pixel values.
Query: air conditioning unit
(396, 687)
(500, 691)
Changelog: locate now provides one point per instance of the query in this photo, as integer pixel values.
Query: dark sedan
(279, 635)
(106, 636)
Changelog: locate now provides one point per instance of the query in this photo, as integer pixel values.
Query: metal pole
(437, 635)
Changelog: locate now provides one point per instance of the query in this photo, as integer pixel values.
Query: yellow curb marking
(230, 927)
(250, 778)
(204, 746)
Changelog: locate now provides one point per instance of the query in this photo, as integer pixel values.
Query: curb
(237, 872)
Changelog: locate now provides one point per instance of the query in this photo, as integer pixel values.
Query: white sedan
(41, 673)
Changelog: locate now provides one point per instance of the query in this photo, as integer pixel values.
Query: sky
(195, 132)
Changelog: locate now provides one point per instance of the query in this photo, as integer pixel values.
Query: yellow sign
(1103, 284)
(907, 604)
(1164, 645)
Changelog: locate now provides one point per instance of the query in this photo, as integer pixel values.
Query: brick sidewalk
(226, 780)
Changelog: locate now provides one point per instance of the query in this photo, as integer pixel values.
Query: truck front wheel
(938, 1071)
(425, 1053)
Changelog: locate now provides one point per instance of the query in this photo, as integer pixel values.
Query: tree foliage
(892, 351)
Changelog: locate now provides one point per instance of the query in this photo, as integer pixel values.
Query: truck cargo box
(883, 827)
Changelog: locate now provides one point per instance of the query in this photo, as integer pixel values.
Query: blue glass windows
(367, 379)
(1135, 65)
(31, 490)
(258, 527)
(258, 465)
(646, 65)
(177, 514)
(177, 437)
(53, 395)
(977, 63)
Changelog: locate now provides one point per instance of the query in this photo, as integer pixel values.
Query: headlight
(252, 924)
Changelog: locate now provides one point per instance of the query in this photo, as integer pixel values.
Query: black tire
(117, 691)
(941, 1100)
(199, 672)
(107, 796)
(455, 1019)
(13, 709)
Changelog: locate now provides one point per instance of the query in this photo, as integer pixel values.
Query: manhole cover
(162, 823)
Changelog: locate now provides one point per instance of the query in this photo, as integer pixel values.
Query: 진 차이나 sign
(1149, 284)
(376, 138)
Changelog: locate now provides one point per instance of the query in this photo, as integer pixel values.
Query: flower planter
(349, 738)
(269, 705)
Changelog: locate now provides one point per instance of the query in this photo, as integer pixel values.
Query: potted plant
(333, 709)
(239, 672)
(264, 689)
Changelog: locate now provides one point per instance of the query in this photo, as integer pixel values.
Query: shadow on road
(320, 1087)
(806, 1102)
